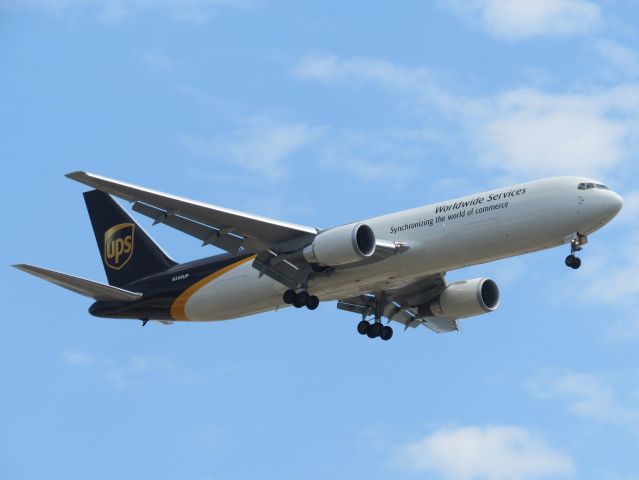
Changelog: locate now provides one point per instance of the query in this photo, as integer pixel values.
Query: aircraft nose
(612, 204)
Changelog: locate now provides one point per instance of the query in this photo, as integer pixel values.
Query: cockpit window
(588, 186)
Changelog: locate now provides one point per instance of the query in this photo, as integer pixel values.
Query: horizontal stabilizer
(88, 288)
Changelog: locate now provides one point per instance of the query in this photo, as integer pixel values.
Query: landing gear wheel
(312, 302)
(573, 262)
(289, 297)
(375, 330)
(387, 333)
(363, 327)
(300, 299)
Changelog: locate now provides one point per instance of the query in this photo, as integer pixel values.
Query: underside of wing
(408, 305)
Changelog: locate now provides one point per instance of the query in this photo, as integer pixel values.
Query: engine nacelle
(467, 299)
(341, 245)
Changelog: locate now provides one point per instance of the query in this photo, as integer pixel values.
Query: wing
(408, 305)
(222, 227)
(88, 288)
(278, 244)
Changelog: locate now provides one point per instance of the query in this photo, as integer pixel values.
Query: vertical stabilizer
(127, 252)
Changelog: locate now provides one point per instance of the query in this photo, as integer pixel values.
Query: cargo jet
(386, 268)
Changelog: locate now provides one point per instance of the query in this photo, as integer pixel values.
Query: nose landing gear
(573, 262)
(577, 241)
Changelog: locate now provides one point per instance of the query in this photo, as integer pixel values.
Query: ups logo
(118, 245)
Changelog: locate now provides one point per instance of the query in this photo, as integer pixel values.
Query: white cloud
(621, 278)
(197, 11)
(587, 395)
(390, 155)
(331, 68)
(535, 133)
(630, 212)
(421, 82)
(517, 19)
(77, 358)
(489, 452)
(262, 146)
(136, 370)
(620, 57)
(525, 132)
(157, 60)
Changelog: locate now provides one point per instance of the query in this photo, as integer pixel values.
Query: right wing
(88, 288)
(407, 305)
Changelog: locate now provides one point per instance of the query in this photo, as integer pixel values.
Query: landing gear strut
(375, 329)
(576, 243)
(301, 299)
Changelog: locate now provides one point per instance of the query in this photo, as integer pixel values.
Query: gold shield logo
(118, 245)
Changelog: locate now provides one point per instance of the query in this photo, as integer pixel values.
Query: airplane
(391, 267)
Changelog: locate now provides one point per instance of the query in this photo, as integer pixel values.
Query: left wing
(278, 245)
(222, 227)
(408, 305)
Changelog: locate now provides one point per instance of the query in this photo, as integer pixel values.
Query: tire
(363, 327)
(375, 330)
(387, 333)
(313, 302)
(300, 300)
(570, 260)
(289, 297)
(576, 263)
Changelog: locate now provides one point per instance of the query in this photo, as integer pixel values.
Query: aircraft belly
(237, 293)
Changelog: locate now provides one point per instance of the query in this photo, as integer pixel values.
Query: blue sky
(318, 113)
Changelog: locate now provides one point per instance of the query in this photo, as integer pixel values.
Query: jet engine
(341, 245)
(466, 299)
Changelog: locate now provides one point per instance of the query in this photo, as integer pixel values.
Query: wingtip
(76, 175)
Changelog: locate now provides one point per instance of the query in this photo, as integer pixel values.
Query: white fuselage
(440, 237)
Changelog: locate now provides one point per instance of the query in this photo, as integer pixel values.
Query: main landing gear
(375, 329)
(301, 299)
(576, 243)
